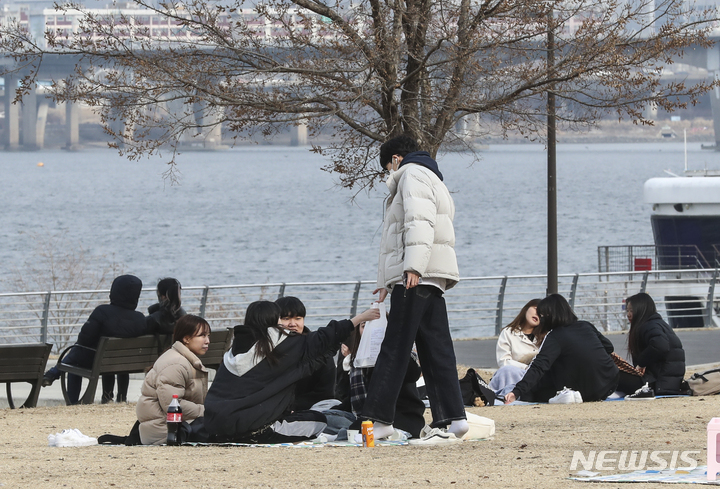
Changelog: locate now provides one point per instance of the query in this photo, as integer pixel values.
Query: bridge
(25, 123)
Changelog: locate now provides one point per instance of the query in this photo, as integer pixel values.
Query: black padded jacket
(576, 356)
(237, 405)
(662, 355)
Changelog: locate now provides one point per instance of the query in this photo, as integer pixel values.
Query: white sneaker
(51, 440)
(74, 438)
(566, 396)
(398, 435)
(436, 436)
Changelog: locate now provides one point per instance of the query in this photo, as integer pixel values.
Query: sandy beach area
(533, 448)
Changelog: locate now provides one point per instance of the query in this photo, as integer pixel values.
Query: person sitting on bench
(119, 319)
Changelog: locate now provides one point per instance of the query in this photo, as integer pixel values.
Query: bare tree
(368, 69)
(62, 266)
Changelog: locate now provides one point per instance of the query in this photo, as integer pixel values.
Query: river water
(269, 214)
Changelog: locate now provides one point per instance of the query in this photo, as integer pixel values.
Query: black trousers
(417, 315)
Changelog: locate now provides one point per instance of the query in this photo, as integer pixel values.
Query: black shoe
(121, 398)
(107, 397)
(643, 393)
(47, 381)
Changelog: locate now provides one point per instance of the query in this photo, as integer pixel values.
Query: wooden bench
(132, 355)
(24, 363)
(220, 342)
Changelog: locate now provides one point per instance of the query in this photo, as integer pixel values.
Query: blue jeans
(417, 315)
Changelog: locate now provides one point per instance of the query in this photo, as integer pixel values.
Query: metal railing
(647, 257)
(477, 306)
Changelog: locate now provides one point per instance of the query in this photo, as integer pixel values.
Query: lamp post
(552, 264)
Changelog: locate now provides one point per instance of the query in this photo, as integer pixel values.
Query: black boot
(107, 397)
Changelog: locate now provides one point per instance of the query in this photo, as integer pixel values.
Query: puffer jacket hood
(125, 291)
(422, 158)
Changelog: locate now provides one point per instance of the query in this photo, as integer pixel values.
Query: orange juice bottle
(367, 434)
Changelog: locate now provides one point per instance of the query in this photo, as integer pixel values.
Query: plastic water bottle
(174, 418)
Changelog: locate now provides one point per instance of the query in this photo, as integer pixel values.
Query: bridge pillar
(29, 120)
(211, 132)
(650, 112)
(713, 67)
(11, 136)
(41, 121)
(120, 128)
(72, 126)
(298, 134)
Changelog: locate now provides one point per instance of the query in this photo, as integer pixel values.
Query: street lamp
(552, 264)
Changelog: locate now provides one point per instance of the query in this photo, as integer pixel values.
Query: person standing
(417, 264)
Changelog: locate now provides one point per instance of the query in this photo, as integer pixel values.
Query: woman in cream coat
(177, 371)
(516, 347)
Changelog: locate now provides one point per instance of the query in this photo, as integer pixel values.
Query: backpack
(473, 386)
(705, 383)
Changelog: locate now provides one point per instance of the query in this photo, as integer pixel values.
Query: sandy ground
(533, 448)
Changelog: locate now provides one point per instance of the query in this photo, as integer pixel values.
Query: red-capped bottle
(174, 418)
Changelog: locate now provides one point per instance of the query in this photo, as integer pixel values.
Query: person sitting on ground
(254, 387)
(656, 350)
(119, 319)
(178, 371)
(409, 409)
(573, 355)
(163, 315)
(320, 384)
(517, 345)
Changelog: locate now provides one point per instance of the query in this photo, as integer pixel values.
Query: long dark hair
(554, 312)
(643, 306)
(261, 317)
(168, 292)
(354, 342)
(519, 322)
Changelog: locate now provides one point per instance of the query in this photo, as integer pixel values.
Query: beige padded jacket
(177, 371)
(418, 234)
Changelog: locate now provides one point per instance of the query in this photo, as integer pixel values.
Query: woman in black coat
(573, 354)
(655, 349)
(163, 315)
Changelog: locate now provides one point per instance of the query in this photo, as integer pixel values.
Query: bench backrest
(128, 355)
(23, 362)
(220, 342)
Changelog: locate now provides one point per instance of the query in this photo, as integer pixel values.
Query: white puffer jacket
(418, 234)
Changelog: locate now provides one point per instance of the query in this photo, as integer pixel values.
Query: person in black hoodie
(163, 315)
(320, 385)
(254, 387)
(573, 354)
(117, 319)
(655, 349)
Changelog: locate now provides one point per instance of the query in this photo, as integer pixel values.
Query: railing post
(203, 301)
(643, 285)
(573, 290)
(710, 299)
(281, 292)
(45, 318)
(631, 265)
(356, 297)
(500, 302)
